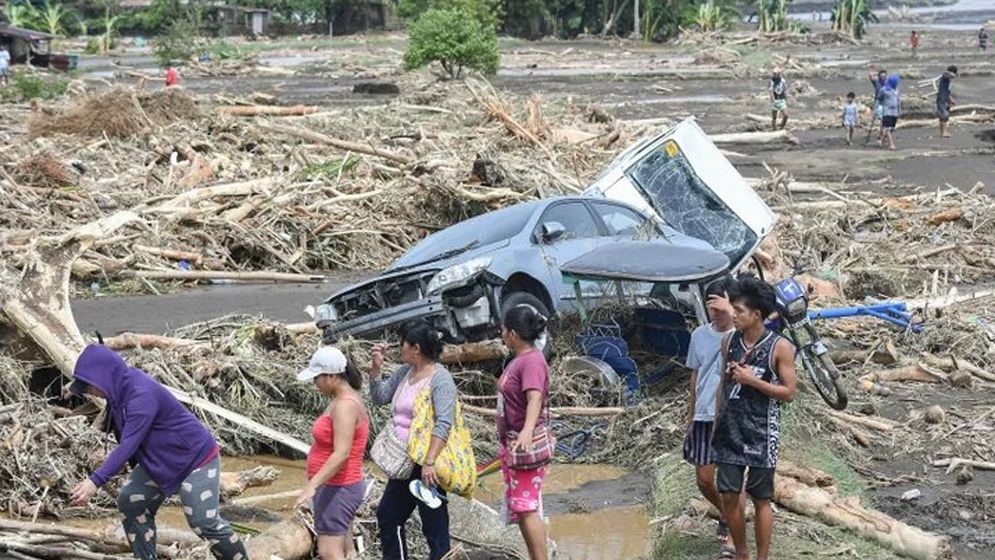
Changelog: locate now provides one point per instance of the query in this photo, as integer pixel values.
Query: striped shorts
(698, 444)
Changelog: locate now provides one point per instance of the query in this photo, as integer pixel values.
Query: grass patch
(26, 85)
(800, 446)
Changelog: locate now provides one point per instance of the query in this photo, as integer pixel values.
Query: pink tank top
(404, 407)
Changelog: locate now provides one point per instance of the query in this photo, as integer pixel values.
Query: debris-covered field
(213, 183)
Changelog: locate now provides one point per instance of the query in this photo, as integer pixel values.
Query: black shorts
(943, 111)
(759, 481)
(889, 122)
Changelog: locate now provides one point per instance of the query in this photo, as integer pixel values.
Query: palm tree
(20, 15)
(109, 22)
(852, 16)
(713, 16)
(772, 15)
(53, 18)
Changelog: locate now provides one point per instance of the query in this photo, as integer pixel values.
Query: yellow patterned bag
(455, 466)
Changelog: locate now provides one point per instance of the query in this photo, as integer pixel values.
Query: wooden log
(596, 412)
(473, 352)
(847, 512)
(312, 136)
(266, 110)
(884, 354)
(289, 540)
(915, 372)
(236, 483)
(51, 552)
(955, 462)
(196, 259)
(189, 198)
(77, 534)
(951, 363)
(754, 137)
(806, 475)
(863, 438)
(875, 423)
(128, 341)
(949, 215)
(39, 306)
(254, 276)
(927, 253)
(240, 421)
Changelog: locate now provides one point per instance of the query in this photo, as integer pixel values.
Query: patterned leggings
(140, 498)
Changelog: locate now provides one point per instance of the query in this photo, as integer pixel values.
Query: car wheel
(545, 341)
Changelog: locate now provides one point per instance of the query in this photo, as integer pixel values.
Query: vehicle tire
(515, 299)
(825, 377)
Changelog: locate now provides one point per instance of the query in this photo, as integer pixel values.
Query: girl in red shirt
(335, 461)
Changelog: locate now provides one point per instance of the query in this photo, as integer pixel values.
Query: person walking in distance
(335, 487)
(944, 100)
(878, 82)
(523, 409)
(914, 40)
(983, 39)
(778, 90)
(891, 107)
(705, 361)
(851, 114)
(4, 66)
(758, 375)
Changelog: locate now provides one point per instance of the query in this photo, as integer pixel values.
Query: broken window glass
(686, 204)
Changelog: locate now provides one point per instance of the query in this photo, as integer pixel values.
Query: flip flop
(722, 532)
(430, 496)
(727, 554)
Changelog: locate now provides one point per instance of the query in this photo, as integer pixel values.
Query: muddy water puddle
(594, 511)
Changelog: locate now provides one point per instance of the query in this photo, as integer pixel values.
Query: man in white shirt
(4, 65)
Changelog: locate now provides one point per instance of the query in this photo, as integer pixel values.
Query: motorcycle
(794, 324)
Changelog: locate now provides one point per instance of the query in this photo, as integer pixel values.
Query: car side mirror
(551, 231)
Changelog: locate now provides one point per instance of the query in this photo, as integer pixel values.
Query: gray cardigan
(444, 396)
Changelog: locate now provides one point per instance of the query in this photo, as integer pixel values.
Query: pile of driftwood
(223, 197)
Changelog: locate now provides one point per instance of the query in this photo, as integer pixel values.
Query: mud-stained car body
(675, 187)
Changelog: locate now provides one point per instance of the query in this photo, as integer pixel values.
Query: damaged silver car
(676, 186)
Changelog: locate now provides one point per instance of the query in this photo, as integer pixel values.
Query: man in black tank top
(759, 374)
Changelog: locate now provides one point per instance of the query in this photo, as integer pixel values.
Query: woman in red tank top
(335, 461)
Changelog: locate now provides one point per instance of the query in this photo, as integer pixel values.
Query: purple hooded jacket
(153, 428)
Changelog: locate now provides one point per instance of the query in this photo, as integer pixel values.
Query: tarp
(25, 34)
(647, 261)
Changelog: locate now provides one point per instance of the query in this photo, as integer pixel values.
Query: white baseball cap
(327, 359)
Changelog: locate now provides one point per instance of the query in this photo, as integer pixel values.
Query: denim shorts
(336, 506)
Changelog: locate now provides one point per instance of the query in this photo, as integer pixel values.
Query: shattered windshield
(686, 204)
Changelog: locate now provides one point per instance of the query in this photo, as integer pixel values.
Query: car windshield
(686, 204)
(475, 232)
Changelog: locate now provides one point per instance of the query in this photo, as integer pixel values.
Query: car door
(581, 233)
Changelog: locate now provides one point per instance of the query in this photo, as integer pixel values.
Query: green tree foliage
(182, 40)
(487, 12)
(25, 86)
(20, 15)
(711, 15)
(852, 16)
(772, 16)
(455, 39)
(54, 18)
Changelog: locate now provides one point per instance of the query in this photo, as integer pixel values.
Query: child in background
(172, 76)
(850, 115)
(914, 42)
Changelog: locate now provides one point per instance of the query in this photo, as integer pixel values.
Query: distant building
(227, 20)
(24, 45)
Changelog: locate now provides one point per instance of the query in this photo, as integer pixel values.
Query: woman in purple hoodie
(168, 449)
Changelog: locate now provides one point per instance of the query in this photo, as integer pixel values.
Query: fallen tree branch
(473, 352)
(754, 137)
(915, 372)
(955, 462)
(951, 363)
(128, 341)
(312, 136)
(289, 540)
(269, 110)
(875, 423)
(76, 534)
(847, 512)
(255, 276)
(598, 412)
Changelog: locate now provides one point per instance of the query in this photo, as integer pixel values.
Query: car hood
(648, 261)
(419, 269)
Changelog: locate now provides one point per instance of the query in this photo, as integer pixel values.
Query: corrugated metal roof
(20, 33)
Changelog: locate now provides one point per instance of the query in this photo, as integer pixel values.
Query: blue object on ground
(605, 343)
(664, 331)
(896, 313)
